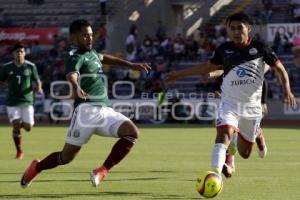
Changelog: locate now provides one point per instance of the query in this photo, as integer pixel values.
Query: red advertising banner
(25, 35)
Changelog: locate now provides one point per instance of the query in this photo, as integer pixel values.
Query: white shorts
(243, 119)
(24, 113)
(91, 119)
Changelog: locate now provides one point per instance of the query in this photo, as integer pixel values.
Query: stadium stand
(24, 14)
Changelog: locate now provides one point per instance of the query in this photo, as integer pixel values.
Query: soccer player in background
(20, 75)
(92, 115)
(242, 60)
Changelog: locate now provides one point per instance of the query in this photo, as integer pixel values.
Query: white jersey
(244, 82)
(243, 70)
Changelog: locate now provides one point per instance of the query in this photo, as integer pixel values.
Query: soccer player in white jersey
(229, 166)
(242, 60)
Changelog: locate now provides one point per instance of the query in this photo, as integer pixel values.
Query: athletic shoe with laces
(19, 155)
(97, 175)
(29, 174)
(229, 167)
(261, 145)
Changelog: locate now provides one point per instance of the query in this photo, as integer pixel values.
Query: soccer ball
(209, 184)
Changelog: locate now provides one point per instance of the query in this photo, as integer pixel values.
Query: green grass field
(163, 165)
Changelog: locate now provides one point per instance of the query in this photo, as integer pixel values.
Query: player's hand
(140, 67)
(290, 99)
(81, 94)
(39, 90)
(264, 108)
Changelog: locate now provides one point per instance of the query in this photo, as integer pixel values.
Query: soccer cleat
(29, 174)
(261, 145)
(19, 155)
(97, 175)
(229, 167)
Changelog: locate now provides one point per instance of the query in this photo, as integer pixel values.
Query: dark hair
(240, 16)
(77, 25)
(18, 46)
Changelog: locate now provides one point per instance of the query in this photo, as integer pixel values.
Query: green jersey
(19, 80)
(92, 80)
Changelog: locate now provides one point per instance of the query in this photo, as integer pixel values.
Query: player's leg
(224, 134)
(118, 126)
(261, 143)
(248, 130)
(27, 115)
(76, 137)
(227, 123)
(128, 134)
(17, 137)
(14, 115)
(229, 166)
(244, 147)
(51, 161)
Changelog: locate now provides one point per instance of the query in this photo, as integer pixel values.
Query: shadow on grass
(86, 172)
(87, 180)
(70, 195)
(178, 125)
(141, 195)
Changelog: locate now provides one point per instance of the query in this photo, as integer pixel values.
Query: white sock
(218, 157)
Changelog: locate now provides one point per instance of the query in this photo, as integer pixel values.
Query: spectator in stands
(101, 36)
(148, 48)
(295, 10)
(131, 38)
(277, 43)
(288, 42)
(130, 53)
(191, 48)
(178, 48)
(166, 47)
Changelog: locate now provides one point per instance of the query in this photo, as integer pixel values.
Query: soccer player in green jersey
(20, 75)
(92, 115)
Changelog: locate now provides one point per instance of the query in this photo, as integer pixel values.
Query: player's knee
(245, 154)
(135, 132)
(128, 129)
(17, 125)
(26, 126)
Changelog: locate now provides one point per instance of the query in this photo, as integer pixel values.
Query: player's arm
(264, 97)
(77, 92)
(39, 87)
(36, 78)
(284, 81)
(201, 69)
(215, 74)
(112, 60)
